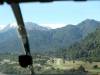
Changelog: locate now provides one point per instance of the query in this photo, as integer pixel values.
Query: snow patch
(13, 25)
(2, 27)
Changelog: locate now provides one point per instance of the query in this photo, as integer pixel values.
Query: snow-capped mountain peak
(28, 26)
(7, 27)
(13, 25)
(2, 27)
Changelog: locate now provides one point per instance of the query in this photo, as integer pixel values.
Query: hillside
(88, 48)
(44, 39)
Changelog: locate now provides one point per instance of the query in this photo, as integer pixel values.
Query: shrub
(81, 68)
(95, 66)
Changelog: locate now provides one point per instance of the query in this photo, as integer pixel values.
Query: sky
(55, 14)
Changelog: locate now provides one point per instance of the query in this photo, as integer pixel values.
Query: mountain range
(44, 39)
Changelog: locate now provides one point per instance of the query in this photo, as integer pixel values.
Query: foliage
(88, 48)
(95, 66)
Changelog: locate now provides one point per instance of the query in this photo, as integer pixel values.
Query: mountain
(88, 48)
(65, 36)
(2, 27)
(10, 40)
(88, 26)
(45, 39)
(32, 26)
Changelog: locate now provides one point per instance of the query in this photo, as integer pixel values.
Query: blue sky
(54, 15)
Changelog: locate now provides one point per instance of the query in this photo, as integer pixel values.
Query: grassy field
(48, 65)
(93, 68)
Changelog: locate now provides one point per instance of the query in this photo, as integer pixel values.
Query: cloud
(53, 26)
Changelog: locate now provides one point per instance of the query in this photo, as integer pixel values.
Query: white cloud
(53, 26)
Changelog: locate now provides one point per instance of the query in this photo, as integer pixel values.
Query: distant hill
(88, 48)
(43, 39)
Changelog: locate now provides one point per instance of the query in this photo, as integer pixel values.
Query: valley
(71, 50)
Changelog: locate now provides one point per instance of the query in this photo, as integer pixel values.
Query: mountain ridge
(44, 39)
(88, 48)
